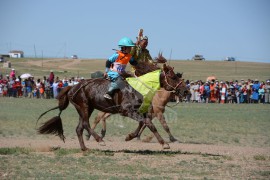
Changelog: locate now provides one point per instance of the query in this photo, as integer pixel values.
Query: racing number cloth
(147, 85)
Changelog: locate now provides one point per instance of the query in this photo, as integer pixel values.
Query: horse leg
(90, 131)
(165, 126)
(152, 127)
(140, 132)
(103, 121)
(79, 131)
(101, 116)
(84, 111)
(135, 133)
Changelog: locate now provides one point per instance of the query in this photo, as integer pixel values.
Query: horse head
(174, 82)
(160, 58)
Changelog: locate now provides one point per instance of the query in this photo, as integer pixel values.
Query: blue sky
(178, 28)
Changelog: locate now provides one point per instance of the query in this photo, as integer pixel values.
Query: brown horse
(157, 109)
(88, 95)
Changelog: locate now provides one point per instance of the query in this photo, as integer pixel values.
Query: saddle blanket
(147, 85)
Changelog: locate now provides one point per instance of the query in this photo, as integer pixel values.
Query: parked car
(198, 57)
(74, 57)
(230, 59)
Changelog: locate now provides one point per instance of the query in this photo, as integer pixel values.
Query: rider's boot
(110, 93)
(118, 83)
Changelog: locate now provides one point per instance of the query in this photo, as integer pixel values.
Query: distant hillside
(195, 70)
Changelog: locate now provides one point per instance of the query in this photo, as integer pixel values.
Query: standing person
(51, 80)
(212, 92)
(24, 88)
(261, 93)
(267, 92)
(55, 88)
(38, 87)
(196, 89)
(12, 74)
(244, 91)
(207, 91)
(65, 84)
(18, 85)
(30, 86)
(47, 87)
(10, 87)
(223, 91)
(192, 92)
(255, 91)
(60, 86)
(70, 82)
(116, 65)
(5, 87)
(1, 85)
(51, 77)
(202, 93)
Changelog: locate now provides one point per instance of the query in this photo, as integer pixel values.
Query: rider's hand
(105, 75)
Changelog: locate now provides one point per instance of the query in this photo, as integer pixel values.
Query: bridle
(166, 80)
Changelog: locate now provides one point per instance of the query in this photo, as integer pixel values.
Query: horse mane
(144, 68)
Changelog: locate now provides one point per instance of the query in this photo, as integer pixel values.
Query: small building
(16, 54)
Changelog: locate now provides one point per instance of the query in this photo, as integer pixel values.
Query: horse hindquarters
(54, 125)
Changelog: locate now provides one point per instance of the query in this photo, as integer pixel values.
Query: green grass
(241, 125)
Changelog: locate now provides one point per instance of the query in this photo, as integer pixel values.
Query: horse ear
(164, 66)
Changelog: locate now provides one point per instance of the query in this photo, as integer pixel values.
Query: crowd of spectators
(46, 88)
(213, 91)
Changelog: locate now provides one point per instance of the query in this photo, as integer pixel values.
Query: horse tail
(54, 125)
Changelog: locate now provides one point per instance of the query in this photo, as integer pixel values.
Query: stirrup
(107, 96)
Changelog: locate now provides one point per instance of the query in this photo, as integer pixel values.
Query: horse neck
(162, 97)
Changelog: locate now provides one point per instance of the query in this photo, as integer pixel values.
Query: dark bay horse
(88, 95)
(157, 109)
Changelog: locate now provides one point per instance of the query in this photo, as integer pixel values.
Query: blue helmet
(125, 41)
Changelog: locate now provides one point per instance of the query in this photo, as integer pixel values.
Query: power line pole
(35, 51)
(42, 59)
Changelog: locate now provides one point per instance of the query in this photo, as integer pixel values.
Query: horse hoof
(102, 143)
(128, 138)
(87, 136)
(84, 149)
(166, 146)
(138, 138)
(172, 139)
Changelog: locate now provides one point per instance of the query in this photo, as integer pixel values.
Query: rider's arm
(108, 65)
(110, 61)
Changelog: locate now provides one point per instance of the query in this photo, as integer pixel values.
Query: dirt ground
(118, 144)
(237, 162)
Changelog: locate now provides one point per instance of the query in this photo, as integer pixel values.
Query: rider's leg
(115, 84)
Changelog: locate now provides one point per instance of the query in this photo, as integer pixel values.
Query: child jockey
(116, 64)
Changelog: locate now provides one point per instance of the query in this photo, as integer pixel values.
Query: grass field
(216, 141)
